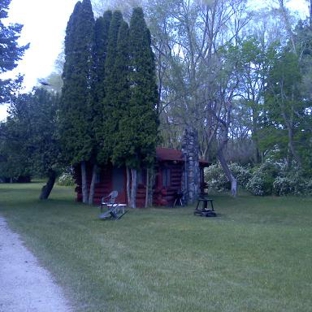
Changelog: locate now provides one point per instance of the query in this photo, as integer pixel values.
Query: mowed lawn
(255, 256)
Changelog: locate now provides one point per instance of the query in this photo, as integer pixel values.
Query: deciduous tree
(31, 139)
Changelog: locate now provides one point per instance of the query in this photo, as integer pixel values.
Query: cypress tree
(75, 113)
(101, 31)
(141, 124)
(138, 127)
(109, 125)
(121, 91)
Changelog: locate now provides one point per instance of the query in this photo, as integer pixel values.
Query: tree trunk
(46, 189)
(147, 189)
(291, 143)
(128, 186)
(134, 183)
(84, 186)
(228, 173)
(92, 185)
(152, 178)
(220, 155)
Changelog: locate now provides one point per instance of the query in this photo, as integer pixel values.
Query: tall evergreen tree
(109, 125)
(101, 31)
(144, 93)
(76, 113)
(121, 90)
(10, 51)
(138, 128)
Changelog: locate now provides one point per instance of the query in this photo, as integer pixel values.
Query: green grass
(255, 256)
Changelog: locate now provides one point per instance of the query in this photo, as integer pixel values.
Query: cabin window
(166, 177)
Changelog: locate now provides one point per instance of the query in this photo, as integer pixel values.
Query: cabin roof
(163, 154)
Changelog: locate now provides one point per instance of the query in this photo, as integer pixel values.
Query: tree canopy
(10, 52)
(30, 139)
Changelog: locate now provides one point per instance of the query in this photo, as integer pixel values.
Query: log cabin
(169, 179)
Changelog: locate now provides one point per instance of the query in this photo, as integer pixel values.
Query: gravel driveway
(24, 285)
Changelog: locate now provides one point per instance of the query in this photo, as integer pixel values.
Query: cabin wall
(168, 182)
(109, 178)
(103, 185)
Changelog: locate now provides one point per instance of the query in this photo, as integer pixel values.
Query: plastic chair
(114, 210)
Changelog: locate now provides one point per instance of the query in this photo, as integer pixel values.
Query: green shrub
(256, 185)
(263, 178)
(216, 179)
(294, 183)
(273, 177)
(283, 186)
(242, 174)
(66, 179)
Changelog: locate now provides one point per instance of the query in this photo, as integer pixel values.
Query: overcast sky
(44, 27)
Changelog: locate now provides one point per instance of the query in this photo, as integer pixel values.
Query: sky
(44, 23)
(44, 27)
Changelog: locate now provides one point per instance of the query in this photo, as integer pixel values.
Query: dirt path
(24, 285)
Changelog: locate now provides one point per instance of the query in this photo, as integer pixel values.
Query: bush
(256, 185)
(66, 179)
(274, 178)
(263, 178)
(294, 183)
(283, 186)
(216, 179)
(270, 178)
(242, 174)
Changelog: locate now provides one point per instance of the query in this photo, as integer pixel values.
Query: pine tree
(10, 51)
(76, 114)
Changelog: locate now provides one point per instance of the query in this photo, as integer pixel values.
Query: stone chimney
(191, 175)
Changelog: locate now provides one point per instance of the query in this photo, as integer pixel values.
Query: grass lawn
(255, 256)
